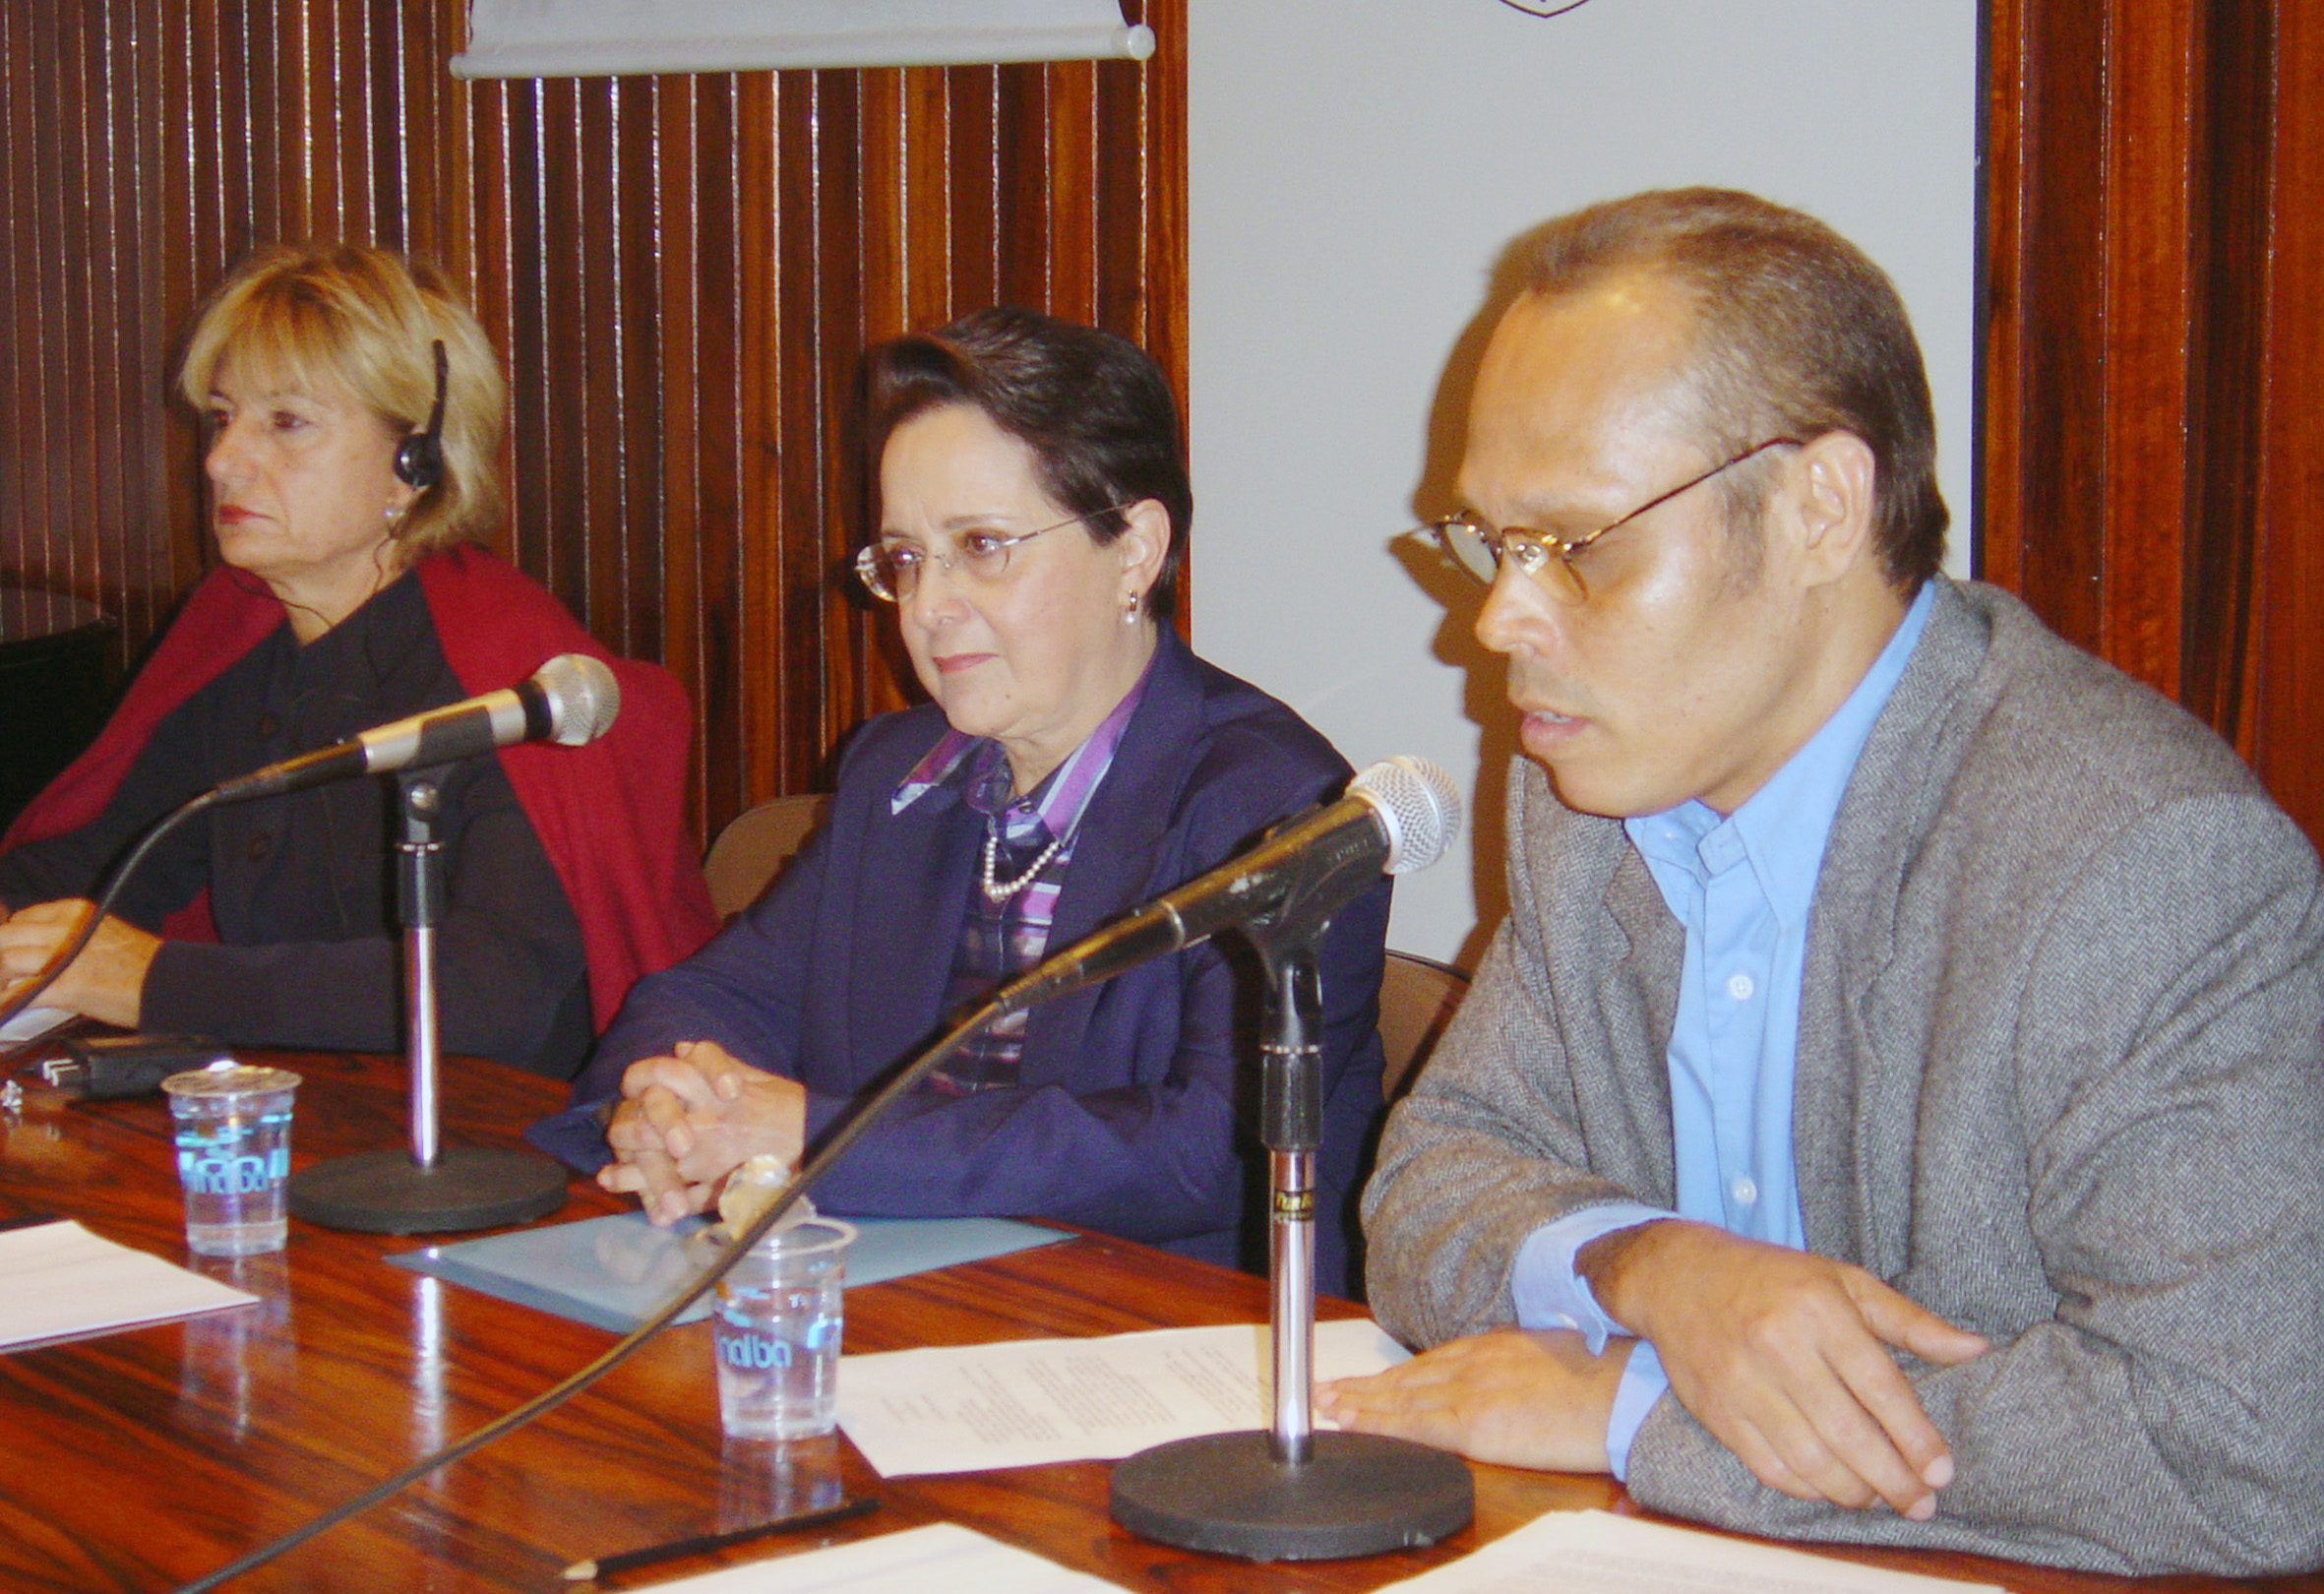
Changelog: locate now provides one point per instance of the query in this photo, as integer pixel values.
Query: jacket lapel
(1857, 1084)
(926, 850)
(1639, 998)
(1117, 850)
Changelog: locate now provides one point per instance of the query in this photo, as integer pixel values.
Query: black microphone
(571, 699)
(1398, 814)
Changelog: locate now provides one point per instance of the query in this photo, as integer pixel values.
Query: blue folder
(614, 1272)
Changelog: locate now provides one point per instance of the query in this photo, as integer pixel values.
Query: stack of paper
(31, 1025)
(58, 1279)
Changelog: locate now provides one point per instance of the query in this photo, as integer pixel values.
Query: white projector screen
(582, 38)
(1354, 168)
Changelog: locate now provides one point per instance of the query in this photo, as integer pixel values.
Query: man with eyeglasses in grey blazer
(1893, 1110)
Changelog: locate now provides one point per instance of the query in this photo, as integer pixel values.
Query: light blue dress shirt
(1741, 885)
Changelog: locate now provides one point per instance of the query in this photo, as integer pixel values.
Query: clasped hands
(689, 1118)
(106, 982)
(1783, 1356)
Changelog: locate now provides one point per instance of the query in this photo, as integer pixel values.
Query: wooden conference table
(140, 1460)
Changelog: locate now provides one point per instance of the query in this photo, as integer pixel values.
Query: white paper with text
(941, 1556)
(1028, 1402)
(1600, 1552)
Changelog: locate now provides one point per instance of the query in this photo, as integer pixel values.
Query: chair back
(1417, 998)
(56, 687)
(755, 844)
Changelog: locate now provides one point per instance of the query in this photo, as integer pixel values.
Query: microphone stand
(430, 1191)
(1385, 1469)
(1289, 1493)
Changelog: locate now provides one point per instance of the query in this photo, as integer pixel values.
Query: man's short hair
(1799, 333)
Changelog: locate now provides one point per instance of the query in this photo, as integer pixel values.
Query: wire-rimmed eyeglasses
(890, 570)
(1480, 550)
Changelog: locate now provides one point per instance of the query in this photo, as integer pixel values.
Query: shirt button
(267, 726)
(1740, 987)
(1745, 1191)
(260, 844)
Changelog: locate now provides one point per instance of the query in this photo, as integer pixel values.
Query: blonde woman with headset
(352, 411)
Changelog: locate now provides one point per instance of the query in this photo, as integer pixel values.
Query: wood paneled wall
(2153, 477)
(680, 272)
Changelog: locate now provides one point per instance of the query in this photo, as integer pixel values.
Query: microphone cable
(62, 959)
(1024, 992)
(620, 1351)
(594, 699)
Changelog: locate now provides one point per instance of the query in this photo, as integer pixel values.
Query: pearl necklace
(998, 892)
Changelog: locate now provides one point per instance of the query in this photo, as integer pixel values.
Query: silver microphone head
(583, 696)
(1418, 804)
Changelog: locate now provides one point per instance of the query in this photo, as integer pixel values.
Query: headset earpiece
(419, 457)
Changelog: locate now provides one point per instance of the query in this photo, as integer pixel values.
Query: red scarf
(610, 816)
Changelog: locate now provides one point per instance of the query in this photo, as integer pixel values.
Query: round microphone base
(1357, 1495)
(466, 1188)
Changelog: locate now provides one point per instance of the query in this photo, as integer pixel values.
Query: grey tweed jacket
(2060, 1079)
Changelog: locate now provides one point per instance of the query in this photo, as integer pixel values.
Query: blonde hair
(367, 320)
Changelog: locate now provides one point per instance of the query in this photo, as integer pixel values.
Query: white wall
(1357, 165)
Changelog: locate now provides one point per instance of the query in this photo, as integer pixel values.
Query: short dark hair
(1798, 333)
(1093, 408)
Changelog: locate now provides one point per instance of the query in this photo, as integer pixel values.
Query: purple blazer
(1136, 1108)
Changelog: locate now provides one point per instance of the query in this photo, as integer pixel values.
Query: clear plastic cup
(234, 1155)
(775, 1332)
(764, 1481)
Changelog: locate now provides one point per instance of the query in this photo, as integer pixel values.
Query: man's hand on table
(688, 1119)
(1519, 1396)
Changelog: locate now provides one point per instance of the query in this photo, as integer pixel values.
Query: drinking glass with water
(234, 1155)
(776, 1331)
